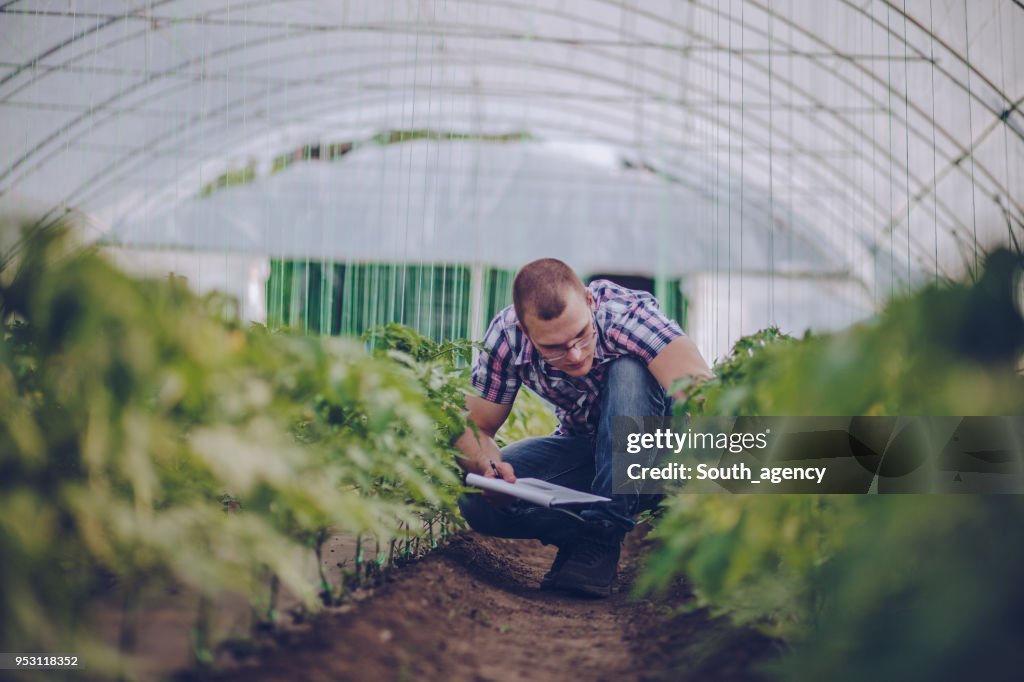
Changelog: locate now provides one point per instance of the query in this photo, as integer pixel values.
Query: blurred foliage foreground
(869, 587)
(145, 438)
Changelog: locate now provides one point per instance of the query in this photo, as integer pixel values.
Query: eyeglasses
(582, 345)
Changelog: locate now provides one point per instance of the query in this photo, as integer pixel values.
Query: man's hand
(506, 473)
(479, 449)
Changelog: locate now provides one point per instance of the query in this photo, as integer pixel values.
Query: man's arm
(680, 359)
(476, 452)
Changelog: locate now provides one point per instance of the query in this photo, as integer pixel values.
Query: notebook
(535, 491)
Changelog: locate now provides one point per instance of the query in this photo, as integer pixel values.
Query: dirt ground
(472, 611)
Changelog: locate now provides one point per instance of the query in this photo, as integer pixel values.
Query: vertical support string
(906, 139)
(970, 127)
(892, 186)
(741, 275)
(771, 173)
(935, 170)
(729, 204)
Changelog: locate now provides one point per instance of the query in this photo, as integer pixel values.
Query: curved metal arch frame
(134, 15)
(795, 228)
(445, 60)
(927, 188)
(622, 143)
(964, 152)
(568, 15)
(892, 157)
(215, 120)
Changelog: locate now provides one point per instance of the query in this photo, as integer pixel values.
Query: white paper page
(534, 490)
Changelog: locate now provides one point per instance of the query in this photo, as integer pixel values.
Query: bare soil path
(472, 611)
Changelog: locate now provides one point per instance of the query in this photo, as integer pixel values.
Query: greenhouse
(250, 253)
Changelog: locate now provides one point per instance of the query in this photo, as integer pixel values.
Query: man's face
(565, 335)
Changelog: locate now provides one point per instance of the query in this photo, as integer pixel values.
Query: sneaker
(590, 568)
(548, 581)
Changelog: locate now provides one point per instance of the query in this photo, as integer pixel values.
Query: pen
(494, 468)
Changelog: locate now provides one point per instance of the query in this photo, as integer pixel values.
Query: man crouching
(594, 352)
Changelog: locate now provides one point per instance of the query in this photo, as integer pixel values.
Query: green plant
(867, 586)
(145, 436)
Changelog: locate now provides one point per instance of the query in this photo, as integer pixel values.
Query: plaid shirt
(628, 322)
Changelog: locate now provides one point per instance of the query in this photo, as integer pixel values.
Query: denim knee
(628, 367)
(631, 390)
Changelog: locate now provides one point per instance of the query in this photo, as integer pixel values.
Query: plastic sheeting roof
(468, 202)
(892, 131)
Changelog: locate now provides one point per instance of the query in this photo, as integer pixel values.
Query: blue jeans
(582, 463)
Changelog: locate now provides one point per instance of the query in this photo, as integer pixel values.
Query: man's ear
(590, 299)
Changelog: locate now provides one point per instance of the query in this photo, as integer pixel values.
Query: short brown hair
(540, 288)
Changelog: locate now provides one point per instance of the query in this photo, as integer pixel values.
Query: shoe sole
(600, 591)
(587, 589)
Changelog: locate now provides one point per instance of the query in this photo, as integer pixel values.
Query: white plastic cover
(882, 139)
